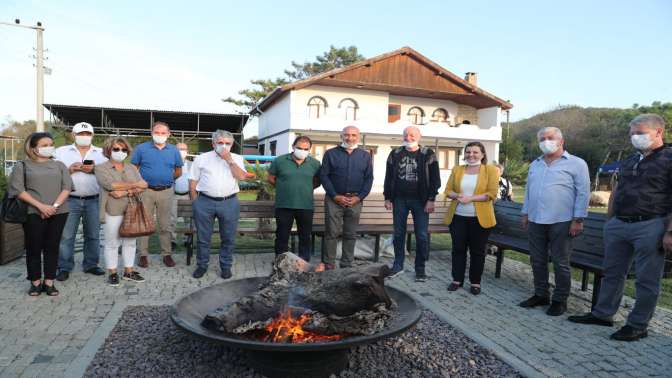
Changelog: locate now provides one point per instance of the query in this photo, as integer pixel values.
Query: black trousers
(42, 237)
(466, 232)
(284, 218)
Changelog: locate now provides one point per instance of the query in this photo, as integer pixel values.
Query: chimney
(470, 77)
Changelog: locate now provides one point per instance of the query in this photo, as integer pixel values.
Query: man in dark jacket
(412, 181)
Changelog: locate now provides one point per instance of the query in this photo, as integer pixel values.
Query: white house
(381, 96)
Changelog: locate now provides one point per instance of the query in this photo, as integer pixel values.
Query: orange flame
(285, 328)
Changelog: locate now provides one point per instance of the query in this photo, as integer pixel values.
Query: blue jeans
(227, 213)
(400, 210)
(86, 210)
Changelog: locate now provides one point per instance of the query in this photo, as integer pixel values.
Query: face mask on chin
(83, 140)
(183, 154)
(641, 142)
(159, 139)
(548, 147)
(472, 163)
(349, 146)
(410, 145)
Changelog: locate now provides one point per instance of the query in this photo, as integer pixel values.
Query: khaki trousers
(158, 203)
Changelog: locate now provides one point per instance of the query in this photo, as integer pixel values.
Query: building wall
(276, 118)
(428, 105)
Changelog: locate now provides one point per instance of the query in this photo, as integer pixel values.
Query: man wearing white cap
(80, 158)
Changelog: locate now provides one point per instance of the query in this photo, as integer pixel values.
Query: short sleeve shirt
(645, 184)
(44, 181)
(85, 184)
(157, 166)
(214, 175)
(294, 182)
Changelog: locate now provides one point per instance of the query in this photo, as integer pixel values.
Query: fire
(285, 328)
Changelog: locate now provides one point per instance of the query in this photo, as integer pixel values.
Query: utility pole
(39, 70)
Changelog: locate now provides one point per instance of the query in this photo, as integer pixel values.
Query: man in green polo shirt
(295, 176)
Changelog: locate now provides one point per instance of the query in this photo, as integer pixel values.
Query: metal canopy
(139, 121)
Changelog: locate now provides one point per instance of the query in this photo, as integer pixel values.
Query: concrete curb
(78, 366)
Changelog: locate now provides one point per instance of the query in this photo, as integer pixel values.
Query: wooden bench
(588, 248)
(374, 220)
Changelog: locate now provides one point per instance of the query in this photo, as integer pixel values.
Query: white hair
(221, 134)
(549, 128)
(653, 121)
(410, 128)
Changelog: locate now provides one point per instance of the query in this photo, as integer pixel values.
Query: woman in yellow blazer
(471, 216)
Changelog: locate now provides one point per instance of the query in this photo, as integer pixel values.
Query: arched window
(349, 107)
(440, 115)
(317, 107)
(415, 115)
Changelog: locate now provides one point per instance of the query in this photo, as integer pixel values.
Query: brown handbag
(137, 220)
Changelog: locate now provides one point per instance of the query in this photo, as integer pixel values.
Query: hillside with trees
(589, 133)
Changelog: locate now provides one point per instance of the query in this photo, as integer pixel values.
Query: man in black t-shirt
(638, 229)
(412, 182)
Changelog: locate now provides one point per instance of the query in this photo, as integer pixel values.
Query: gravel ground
(146, 343)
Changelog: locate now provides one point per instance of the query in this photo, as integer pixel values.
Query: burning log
(337, 301)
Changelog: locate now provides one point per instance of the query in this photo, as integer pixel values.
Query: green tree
(334, 58)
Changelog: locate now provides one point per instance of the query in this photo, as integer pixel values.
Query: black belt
(217, 198)
(181, 194)
(85, 197)
(160, 188)
(638, 218)
(348, 194)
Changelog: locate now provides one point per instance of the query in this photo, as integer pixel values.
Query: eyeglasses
(117, 149)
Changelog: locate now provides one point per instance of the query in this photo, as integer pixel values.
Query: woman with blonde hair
(471, 215)
(44, 185)
(117, 181)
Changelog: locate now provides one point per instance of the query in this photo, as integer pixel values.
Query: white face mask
(548, 146)
(410, 145)
(83, 140)
(46, 152)
(641, 142)
(183, 154)
(159, 139)
(301, 154)
(118, 156)
(349, 146)
(473, 162)
(221, 147)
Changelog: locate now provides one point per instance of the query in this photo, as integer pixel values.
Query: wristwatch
(56, 205)
(578, 220)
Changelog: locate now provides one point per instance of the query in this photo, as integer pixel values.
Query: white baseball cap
(82, 127)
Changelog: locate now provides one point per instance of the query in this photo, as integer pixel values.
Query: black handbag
(13, 209)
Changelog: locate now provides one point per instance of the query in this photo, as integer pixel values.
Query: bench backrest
(373, 211)
(588, 248)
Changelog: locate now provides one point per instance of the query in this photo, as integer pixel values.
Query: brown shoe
(168, 260)
(144, 262)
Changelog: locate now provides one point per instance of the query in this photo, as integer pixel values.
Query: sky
(177, 55)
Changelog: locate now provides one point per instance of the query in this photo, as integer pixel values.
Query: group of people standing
(84, 183)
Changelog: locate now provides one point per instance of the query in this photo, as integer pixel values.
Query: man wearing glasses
(295, 176)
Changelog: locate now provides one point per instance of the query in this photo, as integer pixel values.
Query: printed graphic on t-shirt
(408, 169)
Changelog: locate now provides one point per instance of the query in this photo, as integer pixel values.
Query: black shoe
(420, 277)
(534, 301)
(50, 290)
(395, 272)
(589, 318)
(35, 290)
(113, 279)
(475, 290)
(96, 271)
(226, 273)
(63, 276)
(454, 286)
(628, 333)
(199, 272)
(557, 308)
(133, 276)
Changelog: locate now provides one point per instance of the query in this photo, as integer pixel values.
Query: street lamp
(39, 69)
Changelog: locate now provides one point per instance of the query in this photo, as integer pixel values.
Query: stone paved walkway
(59, 336)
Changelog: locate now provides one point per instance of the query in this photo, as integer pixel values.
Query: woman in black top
(43, 184)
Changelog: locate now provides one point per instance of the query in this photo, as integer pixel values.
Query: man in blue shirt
(160, 164)
(556, 202)
(347, 177)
